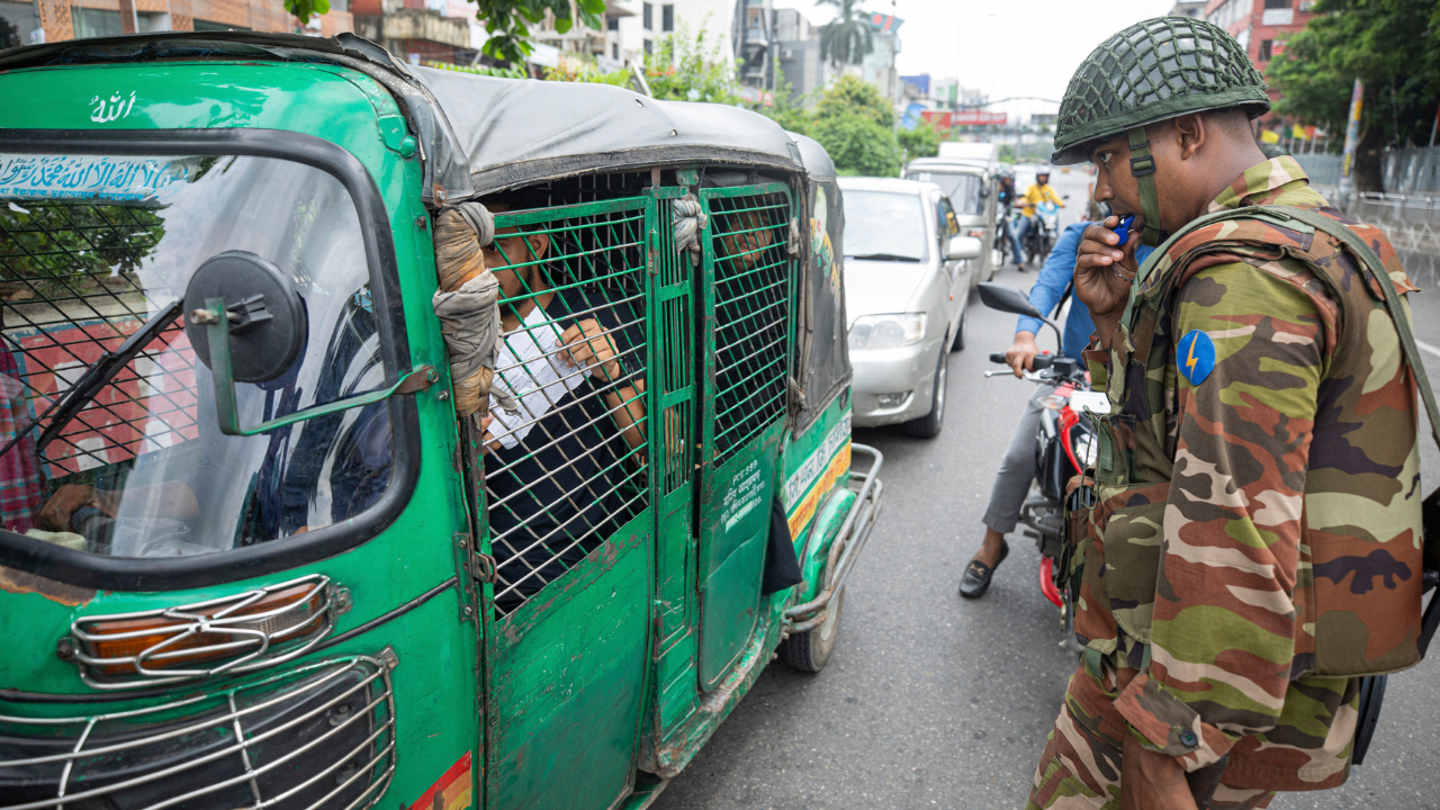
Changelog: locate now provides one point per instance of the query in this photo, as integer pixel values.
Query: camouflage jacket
(1255, 541)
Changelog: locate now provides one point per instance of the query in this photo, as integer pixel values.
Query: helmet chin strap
(1142, 167)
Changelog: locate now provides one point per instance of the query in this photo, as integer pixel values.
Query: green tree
(846, 39)
(856, 126)
(851, 94)
(788, 112)
(686, 68)
(65, 249)
(922, 141)
(858, 145)
(1393, 46)
(9, 35)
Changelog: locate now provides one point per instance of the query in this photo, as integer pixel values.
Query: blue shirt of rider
(1053, 287)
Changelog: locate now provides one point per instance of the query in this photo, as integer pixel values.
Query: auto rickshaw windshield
(97, 249)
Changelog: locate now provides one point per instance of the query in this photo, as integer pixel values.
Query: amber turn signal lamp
(120, 646)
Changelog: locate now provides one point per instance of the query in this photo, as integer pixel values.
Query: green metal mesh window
(567, 467)
(750, 242)
(71, 293)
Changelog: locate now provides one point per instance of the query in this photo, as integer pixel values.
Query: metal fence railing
(1412, 221)
(1324, 170)
(1406, 171)
(1412, 170)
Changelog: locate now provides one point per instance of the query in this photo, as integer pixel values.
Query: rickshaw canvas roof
(514, 131)
(817, 161)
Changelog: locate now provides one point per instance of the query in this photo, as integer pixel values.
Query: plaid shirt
(20, 480)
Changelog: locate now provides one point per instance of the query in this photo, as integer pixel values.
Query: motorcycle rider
(1039, 191)
(1244, 559)
(1017, 466)
(1004, 200)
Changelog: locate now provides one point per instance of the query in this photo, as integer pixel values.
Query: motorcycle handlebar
(1041, 361)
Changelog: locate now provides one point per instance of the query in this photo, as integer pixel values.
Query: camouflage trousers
(1080, 767)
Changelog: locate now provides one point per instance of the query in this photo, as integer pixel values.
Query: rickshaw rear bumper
(849, 541)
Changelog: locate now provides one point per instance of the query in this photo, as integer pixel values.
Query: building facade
(1261, 26)
(57, 20)
(1188, 8)
(797, 53)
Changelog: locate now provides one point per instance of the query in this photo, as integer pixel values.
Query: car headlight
(887, 331)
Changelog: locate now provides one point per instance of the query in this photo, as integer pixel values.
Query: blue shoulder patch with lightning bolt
(1195, 356)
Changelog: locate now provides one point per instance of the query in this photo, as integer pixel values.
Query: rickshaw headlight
(887, 331)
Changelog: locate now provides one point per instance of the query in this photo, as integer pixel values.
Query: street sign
(964, 118)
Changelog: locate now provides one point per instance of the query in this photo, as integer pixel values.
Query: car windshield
(963, 189)
(884, 225)
(96, 250)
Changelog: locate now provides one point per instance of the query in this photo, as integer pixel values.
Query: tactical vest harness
(1120, 525)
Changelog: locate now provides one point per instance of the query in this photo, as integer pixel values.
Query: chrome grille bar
(215, 617)
(296, 688)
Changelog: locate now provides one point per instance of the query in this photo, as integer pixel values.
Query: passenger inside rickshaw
(141, 468)
(564, 469)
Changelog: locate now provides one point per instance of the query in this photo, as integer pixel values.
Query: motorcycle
(1043, 231)
(1065, 446)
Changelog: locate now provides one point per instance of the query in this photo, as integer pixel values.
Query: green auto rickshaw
(384, 435)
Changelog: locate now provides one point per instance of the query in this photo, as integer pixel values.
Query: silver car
(907, 281)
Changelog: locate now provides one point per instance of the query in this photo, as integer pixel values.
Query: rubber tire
(958, 344)
(810, 651)
(930, 425)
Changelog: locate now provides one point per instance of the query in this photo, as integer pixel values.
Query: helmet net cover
(1153, 71)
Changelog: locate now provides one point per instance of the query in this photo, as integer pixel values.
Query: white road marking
(1435, 350)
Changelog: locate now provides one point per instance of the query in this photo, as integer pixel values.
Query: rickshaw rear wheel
(809, 651)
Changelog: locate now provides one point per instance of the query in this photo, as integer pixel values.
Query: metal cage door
(746, 302)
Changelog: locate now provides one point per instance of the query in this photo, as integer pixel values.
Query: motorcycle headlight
(1086, 449)
(887, 331)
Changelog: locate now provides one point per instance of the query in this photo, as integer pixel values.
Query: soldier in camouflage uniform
(1252, 541)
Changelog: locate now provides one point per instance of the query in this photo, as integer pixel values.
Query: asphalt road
(930, 701)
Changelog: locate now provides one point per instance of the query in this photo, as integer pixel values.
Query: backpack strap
(1369, 262)
(1370, 259)
(1366, 255)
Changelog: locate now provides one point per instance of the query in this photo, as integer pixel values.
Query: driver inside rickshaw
(145, 498)
(562, 468)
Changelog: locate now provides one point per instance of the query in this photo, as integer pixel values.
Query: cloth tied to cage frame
(467, 304)
(688, 221)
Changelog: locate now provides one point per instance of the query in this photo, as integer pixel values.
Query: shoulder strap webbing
(1368, 257)
(1142, 167)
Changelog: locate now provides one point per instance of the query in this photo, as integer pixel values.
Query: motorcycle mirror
(263, 312)
(1007, 298)
(1064, 196)
(964, 247)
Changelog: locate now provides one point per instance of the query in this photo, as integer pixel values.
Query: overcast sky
(1004, 47)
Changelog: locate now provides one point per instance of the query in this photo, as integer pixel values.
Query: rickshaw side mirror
(1007, 298)
(266, 323)
(247, 322)
(984, 191)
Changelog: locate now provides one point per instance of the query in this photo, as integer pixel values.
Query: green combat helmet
(1153, 71)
